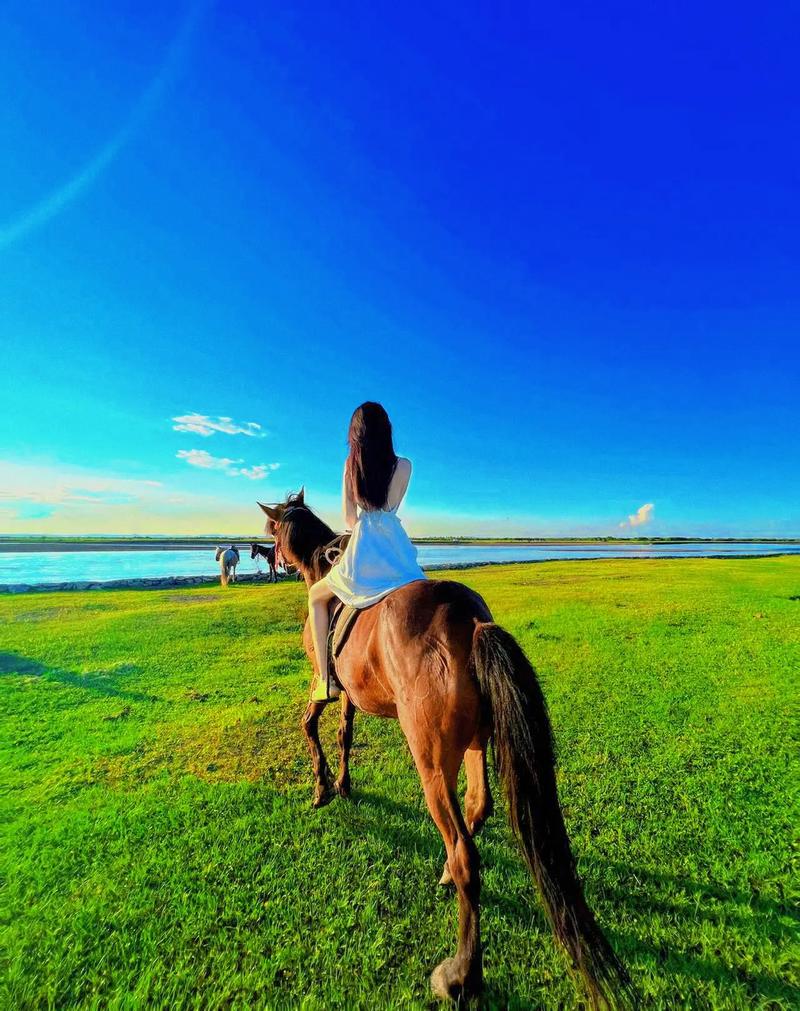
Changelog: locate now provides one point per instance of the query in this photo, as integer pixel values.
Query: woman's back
(379, 556)
(398, 486)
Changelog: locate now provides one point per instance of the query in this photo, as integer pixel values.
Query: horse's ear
(274, 514)
(301, 495)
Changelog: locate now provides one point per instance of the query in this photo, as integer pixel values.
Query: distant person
(379, 557)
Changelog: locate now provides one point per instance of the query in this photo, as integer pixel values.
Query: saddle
(343, 617)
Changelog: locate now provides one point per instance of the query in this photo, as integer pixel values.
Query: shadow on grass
(647, 899)
(769, 910)
(21, 666)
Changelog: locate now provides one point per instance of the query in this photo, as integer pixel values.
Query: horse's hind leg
(462, 976)
(323, 792)
(478, 802)
(345, 738)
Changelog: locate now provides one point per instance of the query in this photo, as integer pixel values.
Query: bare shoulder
(399, 482)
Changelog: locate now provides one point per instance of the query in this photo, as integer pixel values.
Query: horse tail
(223, 571)
(525, 762)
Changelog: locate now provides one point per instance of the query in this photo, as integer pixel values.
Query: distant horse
(267, 552)
(430, 655)
(228, 559)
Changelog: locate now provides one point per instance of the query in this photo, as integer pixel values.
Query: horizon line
(6, 537)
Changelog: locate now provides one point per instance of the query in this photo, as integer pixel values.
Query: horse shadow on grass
(97, 682)
(400, 826)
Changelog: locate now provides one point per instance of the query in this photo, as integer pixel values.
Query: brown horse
(430, 656)
(266, 551)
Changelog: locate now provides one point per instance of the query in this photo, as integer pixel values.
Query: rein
(335, 548)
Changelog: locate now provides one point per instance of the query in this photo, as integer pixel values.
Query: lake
(35, 567)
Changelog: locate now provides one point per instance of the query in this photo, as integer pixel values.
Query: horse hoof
(323, 797)
(447, 877)
(342, 789)
(448, 983)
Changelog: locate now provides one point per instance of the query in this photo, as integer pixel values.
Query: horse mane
(307, 536)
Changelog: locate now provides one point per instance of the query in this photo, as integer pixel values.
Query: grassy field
(159, 848)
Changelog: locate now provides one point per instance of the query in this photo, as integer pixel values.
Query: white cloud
(259, 471)
(642, 516)
(200, 458)
(202, 424)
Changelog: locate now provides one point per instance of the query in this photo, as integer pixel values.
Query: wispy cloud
(200, 458)
(642, 516)
(204, 460)
(203, 424)
(29, 488)
(259, 471)
(60, 498)
(45, 486)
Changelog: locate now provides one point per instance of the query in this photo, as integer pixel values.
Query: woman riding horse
(429, 655)
(379, 556)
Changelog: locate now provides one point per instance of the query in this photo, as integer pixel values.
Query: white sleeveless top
(379, 558)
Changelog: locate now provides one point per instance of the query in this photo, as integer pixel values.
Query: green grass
(159, 848)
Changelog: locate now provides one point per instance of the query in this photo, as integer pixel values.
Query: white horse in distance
(228, 559)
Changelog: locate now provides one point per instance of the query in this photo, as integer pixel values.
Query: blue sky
(558, 242)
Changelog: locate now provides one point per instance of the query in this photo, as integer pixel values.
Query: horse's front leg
(323, 791)
(345, 738)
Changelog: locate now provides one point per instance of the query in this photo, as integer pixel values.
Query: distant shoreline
(183, 582)
(19, 545)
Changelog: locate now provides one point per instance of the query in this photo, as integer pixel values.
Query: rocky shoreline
(175, 582)
(153, 583)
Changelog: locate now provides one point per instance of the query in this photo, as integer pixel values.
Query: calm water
(97, 566)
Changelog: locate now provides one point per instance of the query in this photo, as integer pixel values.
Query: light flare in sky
(62, 196)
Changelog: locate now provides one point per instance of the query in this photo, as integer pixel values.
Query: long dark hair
(372, 459)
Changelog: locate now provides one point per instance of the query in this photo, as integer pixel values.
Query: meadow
(159, 847)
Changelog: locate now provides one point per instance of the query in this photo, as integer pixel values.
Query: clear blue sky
(559, 243)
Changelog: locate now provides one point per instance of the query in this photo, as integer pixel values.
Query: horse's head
(298, 532)
(277, 513)
(253, 550)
